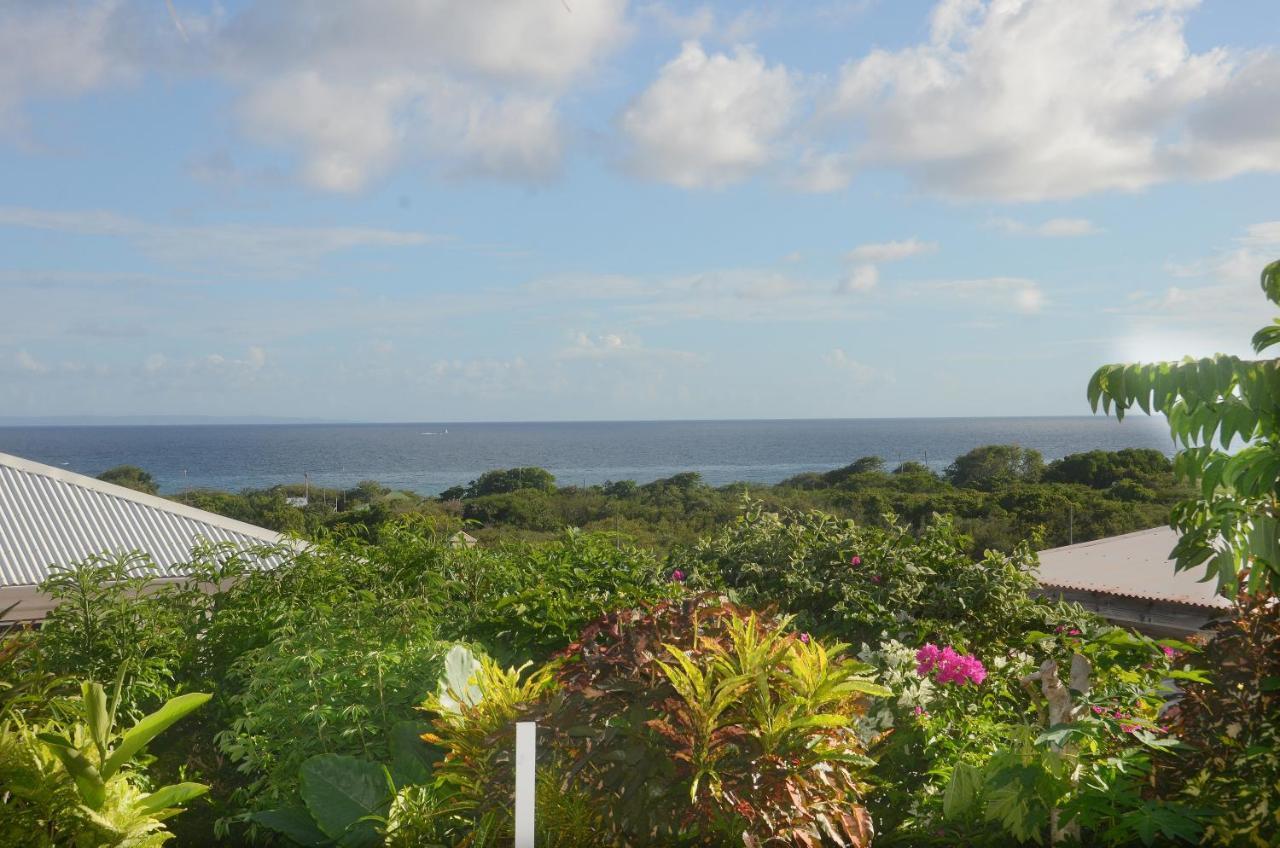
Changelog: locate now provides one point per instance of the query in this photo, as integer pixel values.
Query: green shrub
(1232, 725)
(78, 781)
(699, 722)
(336, 683)
(864, 584)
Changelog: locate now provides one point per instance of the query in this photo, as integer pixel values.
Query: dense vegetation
(998, 495)
(791, 677)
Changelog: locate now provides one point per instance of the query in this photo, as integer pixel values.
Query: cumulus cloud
(862, 278)
(55, 49)
(1037, 99)
(865, 275)
(357, 87)
(1052, 228)
(891, 251)
(709, 120)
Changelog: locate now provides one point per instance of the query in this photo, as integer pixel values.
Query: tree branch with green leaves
(1232, 527)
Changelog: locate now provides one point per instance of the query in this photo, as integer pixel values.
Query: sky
(601, 209)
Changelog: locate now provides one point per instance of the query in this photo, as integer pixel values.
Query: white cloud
(614, 346)
(472, 88)
(1266, 234)
(1052, 228)
(1015, 294)
(1217, 301)
(709, 120)
(55, 49)
(1032, 99)
(283, 250)
(31, 365)
(863, 278)
(841, 361)
(891, 251)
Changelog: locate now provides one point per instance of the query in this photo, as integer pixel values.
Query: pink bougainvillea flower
(1098, 710)
(926, 658)
(949, 665)
(1073, 632)
(855, 560)
(677, 576)
(1168, 652)
(804, 637)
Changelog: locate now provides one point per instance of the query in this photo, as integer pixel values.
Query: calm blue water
(423, 458)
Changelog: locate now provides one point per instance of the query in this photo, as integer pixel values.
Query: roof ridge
(84, 481)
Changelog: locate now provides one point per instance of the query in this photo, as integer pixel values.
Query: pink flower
(1168, 652)
(1073, 632)
(919, 710)
(1098, 710)
(804, 637)
(677, 576)
(950, 666)
(875, 578)
(855, 560)
(1129, 728)
(927, 657)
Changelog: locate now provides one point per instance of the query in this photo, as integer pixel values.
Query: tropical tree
(1232, 525)
(131, 477)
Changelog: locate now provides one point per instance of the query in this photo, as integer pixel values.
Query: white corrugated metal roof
(49, 516)
(1135, 565)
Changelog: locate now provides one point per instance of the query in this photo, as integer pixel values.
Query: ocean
(428, 458)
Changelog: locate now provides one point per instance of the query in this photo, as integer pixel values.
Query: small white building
(1130, 581)
(50, 517)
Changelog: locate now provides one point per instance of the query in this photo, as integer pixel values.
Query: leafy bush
(1232, 726)
(335, 684)
(1068, 759)
(1103, 469)
(77, 781)
(505, 481)
(991, 465)
(864, 584)
(131, 477)
(699, 722)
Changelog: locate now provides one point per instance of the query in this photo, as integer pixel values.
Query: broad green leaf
(174, 795)
(339, 792)
(295, 823)
(962, 791)
(89, 783)
(1271, 281)
(96, 716)
(151, 726)
(1059, 734)
(456, 685)
(412, 760)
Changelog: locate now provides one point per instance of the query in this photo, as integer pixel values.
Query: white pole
(526, 756)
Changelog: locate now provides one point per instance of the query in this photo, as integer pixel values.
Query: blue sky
(595, 209)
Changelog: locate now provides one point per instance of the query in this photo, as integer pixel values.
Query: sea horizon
(429, 456)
